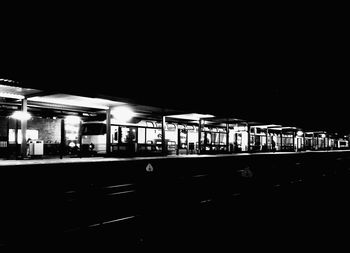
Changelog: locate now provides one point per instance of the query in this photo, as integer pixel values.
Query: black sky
(290, 73)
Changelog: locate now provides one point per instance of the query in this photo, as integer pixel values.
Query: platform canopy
(11, 95)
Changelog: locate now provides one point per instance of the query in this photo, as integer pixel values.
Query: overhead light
(300, 133)
(191, 116)
(20, 115)
(123, 113)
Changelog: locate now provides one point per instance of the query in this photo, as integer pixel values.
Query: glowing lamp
(123, 113)
(300, 133)
(323, 135)
(19, 115)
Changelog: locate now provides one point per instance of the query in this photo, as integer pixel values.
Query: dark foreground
(264, 202)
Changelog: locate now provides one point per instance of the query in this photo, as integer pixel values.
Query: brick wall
(49, 129)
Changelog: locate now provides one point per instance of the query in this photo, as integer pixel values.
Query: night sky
(294, 74)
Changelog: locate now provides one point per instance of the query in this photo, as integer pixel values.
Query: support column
(267, 138)
(63, 139)
(227, 138)
(294, 140)
(7, 140)
(199, 135)
(108, 131)
(24, 129)
(80, 138)
(248, 129)
(281, 145)
(164, 151)
(16, 138)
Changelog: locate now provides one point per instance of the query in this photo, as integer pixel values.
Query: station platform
(58, 160)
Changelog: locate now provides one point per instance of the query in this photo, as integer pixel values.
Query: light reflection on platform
(4, 162)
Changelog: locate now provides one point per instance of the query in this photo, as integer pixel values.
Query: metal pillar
(63, 139)
(294, 140)
(24, 129)
(199, 135)
(281, 134)
(108, 131)
(248, 128)
(16, 138)
(80, 139)
(267, 138)
(227, 138)
(164, 152)
(8, 137)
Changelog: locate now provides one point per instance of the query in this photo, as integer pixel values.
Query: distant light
(323, 135)
(20, 115)
(72, 119)
(11, 95)
(7, 80)
(123, 113)
(300, 133)
(191, 116)
(71, 144)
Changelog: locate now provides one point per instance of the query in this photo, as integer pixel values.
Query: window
(31, 134)
(152, 134)
(141, 135)
(94, 129)
(127, 134)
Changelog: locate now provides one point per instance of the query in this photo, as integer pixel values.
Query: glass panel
(207, 139)
(222, 138)
(215, 138)
(193, 137)
(31, 134)
(93, 129)
(141, 135)
(183, 139)
(128, 134)
(171, 136)
(152, 135)
(132, 134)
(114, 134)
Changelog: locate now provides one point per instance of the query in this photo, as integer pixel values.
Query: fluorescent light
(191, 116)
(20, 115)
(300, 133)
(123, 113)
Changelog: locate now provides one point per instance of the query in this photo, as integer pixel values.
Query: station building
(38, 123)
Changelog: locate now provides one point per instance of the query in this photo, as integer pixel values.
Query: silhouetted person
(28, 149)
(273, 143)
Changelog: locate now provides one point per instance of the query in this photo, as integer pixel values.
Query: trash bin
(36, 147)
